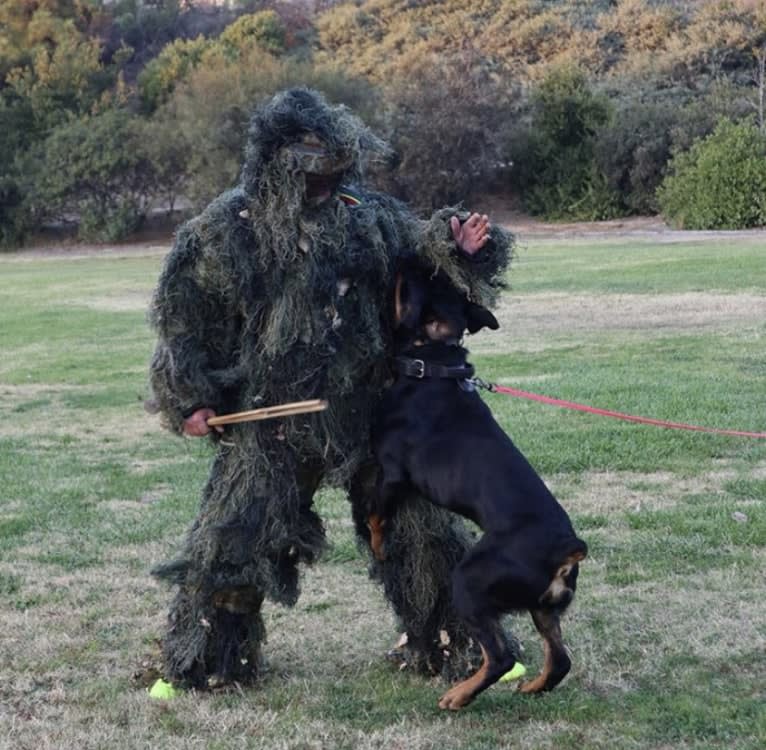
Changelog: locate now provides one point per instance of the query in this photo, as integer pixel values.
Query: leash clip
(420, 373)
(483, 384)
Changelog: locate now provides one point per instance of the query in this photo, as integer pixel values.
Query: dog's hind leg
(557, 662)
(472, 584)
(497, 659)
(387, 495)
(375, 524)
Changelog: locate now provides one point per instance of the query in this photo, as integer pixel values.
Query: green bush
(632, 152)
(720, 182)
(174, 63)
(94, 171)
(262, 33)
(634, 147)
(554, 162)
(264, 29)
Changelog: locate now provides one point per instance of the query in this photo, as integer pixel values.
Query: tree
(759, 79)
(174, 64)
(264, 30)
(64, 72)
(261, 33)
(446, 120)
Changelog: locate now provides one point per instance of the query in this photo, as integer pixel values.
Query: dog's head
(430, 308)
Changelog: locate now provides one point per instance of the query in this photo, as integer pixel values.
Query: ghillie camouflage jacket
(240, 328)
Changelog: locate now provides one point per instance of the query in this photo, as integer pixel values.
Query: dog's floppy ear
(479, 317)
(409, 299)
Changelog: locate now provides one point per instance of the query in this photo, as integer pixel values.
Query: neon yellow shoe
(518, 671)
(165, 691)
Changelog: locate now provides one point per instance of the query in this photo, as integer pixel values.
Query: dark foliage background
(574, 110)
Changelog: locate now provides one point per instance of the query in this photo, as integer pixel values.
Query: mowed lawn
(668, 631)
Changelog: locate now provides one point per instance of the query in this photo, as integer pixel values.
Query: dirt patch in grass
(13, 394)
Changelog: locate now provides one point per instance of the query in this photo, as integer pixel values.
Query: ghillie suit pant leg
(252, 532)
(424, 543)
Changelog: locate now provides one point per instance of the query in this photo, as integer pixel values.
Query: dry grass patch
(41, 412)
(531, 320)
(123, 301)
(620, 491)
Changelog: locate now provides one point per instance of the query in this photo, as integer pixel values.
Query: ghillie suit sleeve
(195, 362)
(280, 291)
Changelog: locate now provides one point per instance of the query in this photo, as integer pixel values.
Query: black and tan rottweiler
(435, 434)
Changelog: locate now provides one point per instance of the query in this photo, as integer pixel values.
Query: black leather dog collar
(418, 368)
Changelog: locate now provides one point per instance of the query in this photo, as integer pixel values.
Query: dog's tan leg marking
(462, 694)
(547, 624)
(238, 600)
(536, 685)
(376, 524)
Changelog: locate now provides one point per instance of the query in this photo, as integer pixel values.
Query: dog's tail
(561, 590)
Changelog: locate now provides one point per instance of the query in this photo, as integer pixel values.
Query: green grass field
(668, 633)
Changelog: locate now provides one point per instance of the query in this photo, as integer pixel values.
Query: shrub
(445, 120)
(554, 164)
(632, 152)
(264, 29)
(720, 182)
(174, 63)
(93, 170)
(633, 149)
(260, 33)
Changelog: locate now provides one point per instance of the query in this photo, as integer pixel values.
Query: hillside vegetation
(578, 109)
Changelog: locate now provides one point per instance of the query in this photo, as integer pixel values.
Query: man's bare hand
(472, 234)
(196, 424)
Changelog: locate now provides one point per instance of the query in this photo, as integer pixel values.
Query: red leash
(615, 414)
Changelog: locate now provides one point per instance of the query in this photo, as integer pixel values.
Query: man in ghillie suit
(281, 290)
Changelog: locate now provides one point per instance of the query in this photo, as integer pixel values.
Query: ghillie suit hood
(294, 137)
(269, 297)
(289, 116)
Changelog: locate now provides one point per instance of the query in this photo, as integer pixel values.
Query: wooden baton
(270, 412)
